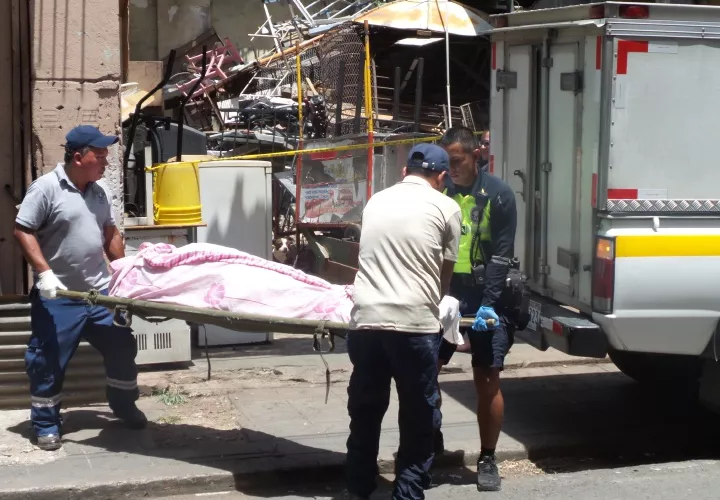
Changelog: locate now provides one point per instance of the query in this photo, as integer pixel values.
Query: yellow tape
(350, 147)
(679, 245)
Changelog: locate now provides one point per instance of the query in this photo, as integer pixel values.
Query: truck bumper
(564, 329)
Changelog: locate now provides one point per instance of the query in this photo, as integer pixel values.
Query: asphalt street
(694, 479)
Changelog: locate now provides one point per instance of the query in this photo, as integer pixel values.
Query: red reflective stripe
(622, 194)
(493, 55)
(557, 328)
(624, 48)
(598, 53)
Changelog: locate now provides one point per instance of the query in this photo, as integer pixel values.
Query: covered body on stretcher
(208, 276)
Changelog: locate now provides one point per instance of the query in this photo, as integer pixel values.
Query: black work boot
(132, 417)
(488, 476)
(49, 442)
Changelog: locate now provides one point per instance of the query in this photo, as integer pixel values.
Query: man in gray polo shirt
(65, 228)
(408, 248)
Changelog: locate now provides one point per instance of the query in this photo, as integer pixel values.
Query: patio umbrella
(440, 16)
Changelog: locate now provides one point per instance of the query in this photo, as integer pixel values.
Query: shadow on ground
(253, 457)
(579, 421)
(597, 420)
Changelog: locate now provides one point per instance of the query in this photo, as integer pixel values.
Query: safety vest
(482, 227)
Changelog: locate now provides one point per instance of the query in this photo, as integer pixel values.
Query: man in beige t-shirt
(408, 247)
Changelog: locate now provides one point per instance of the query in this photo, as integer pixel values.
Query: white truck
(605, 120)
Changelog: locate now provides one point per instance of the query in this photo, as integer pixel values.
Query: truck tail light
(603, 279)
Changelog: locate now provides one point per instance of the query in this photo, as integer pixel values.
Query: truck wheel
(659, 369)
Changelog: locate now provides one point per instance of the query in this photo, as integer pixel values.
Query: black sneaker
(49, 442)
(132, 417)
(488, 476)
(439, 443)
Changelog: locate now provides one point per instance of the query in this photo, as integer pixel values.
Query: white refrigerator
(236, 198)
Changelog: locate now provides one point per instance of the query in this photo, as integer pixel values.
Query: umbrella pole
(447, 75)
(447, 63)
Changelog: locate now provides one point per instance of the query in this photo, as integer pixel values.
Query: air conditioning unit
(167, 341)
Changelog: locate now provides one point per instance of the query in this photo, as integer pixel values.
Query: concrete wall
(76, 76)
(143, 30)
(157, 26)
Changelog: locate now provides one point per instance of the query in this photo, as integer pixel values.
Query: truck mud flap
(566, 330)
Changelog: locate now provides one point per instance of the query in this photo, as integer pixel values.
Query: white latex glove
(49, 284)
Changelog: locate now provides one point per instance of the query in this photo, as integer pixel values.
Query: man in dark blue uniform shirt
(489, 220)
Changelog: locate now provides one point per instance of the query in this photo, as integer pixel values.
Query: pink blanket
(217, 277)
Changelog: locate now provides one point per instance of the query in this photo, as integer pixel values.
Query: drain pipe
(545, 165)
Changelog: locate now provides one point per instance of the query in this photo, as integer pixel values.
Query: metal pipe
(369, 111)
(418, 91)
(358, 106)
(303, 11)
(272, 28)
(340, 89)
(544, 157)
(396, 94)
(136, 115)
(181, 122)
(298, 162)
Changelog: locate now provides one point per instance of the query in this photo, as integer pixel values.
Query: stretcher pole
(254, 323)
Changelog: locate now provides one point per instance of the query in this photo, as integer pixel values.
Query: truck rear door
(664, 149)
(562, 169)
(517, 102)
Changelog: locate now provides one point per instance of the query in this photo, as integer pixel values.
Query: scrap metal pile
(252, 106)
(319, 87)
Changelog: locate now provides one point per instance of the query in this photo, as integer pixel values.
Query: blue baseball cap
(428, 156)
(87, 135)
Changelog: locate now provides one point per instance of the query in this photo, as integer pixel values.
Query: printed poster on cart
(333, 203)
(334, 187)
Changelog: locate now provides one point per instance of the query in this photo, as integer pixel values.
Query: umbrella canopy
(428, 15)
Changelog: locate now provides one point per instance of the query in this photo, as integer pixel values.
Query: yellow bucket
(176, 193)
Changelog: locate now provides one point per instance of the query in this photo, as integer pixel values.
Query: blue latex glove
(485, 313)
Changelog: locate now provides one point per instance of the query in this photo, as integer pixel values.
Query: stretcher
(125, 309)
(253, 323)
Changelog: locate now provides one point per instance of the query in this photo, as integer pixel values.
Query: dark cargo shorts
(488, 348)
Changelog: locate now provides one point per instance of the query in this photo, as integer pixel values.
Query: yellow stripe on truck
(677, 245)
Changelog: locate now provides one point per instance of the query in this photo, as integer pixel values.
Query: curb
(268, 472)
(318, 467)
(221, 475)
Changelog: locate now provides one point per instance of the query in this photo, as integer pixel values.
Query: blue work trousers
(58, 325)
(411, 360)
